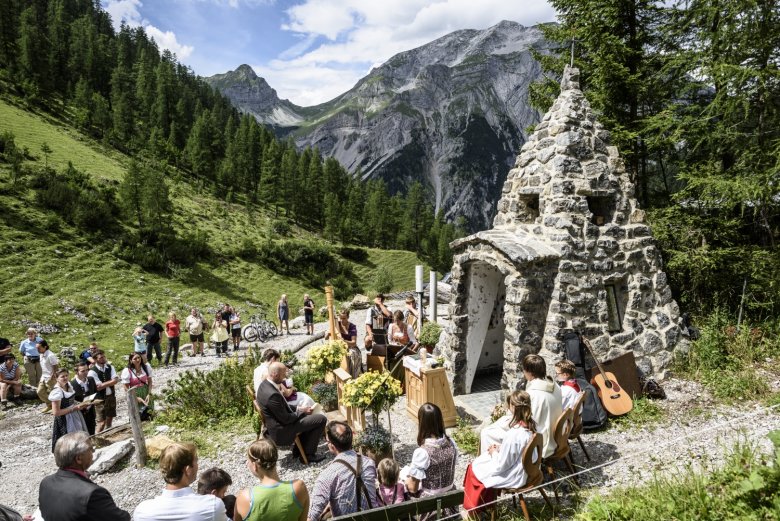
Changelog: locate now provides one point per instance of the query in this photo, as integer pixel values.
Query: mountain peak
(247, 71)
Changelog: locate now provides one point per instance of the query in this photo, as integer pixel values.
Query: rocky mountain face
(252, 95)
(451, 114)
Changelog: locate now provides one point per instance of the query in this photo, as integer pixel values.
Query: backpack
(594, 416)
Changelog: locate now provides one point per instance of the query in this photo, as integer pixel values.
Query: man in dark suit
(68, 494)
(282, 423)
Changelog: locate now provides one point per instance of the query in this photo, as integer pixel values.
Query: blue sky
(310, 50)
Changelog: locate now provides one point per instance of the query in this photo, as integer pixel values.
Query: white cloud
(128, 11)
(360, 34)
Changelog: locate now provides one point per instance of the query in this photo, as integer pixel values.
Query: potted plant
(324, 358)
(376, 392)
(429, 336)
(375, 443)
(326, 395)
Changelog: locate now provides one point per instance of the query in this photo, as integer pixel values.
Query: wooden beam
(403, 510)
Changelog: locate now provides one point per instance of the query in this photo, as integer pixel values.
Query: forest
(64, 57)
(690, 91)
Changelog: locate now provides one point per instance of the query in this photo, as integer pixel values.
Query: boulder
(360, 302)
(156, 444)
(296, 323)
(107, 457)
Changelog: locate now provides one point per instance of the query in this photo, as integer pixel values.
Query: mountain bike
(259, 329)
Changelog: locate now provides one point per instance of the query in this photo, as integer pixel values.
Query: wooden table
(431, 386)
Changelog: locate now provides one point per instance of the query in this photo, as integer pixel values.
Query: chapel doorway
(485, 300)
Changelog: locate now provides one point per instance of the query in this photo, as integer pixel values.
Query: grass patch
(466, 437)
(747, 487)
(645, 412)
(32, 131)
(726, 359)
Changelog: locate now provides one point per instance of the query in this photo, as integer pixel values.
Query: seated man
(10, 381)
(338, 485)
(546, 403)
(282, 422)
(178, 502)
(69, 493)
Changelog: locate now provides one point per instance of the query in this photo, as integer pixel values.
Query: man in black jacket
(68, 494)
(281, 422)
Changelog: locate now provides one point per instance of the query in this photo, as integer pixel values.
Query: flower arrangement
(326, 357)
(375, 441)
(498, 411)
(326, 395)
(373, 391)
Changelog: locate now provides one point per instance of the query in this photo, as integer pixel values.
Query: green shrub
(430, 334)
(354, 254)
(217, 395)
(383, 280)
(725, 358)
(281, 228)
(466, 437)
(304, 378)
(747, 487)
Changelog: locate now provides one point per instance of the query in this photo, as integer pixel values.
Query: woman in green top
(272, 498)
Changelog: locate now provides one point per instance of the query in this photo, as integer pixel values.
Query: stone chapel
(569, 251)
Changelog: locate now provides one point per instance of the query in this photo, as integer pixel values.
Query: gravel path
(659, 448)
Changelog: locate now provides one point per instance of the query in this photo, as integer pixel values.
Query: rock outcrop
(450, 114)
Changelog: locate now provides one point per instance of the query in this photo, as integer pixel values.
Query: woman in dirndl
(67, 413)
(138, 375)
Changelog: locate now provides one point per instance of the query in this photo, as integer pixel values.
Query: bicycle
(259, 329)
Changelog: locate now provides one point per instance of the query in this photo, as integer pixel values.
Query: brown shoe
(46, 409)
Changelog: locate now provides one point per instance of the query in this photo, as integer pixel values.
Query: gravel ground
(693, 431)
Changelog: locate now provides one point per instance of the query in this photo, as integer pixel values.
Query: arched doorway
(485, 300)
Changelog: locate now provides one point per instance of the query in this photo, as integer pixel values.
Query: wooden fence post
(138, 432)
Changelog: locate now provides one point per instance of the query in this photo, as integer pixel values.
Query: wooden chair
(533, 471)
(576, 429)
(563, 426)
(259, 411)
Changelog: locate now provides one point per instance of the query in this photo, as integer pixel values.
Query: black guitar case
(593, 414)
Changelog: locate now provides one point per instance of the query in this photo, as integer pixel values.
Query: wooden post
(138, 432)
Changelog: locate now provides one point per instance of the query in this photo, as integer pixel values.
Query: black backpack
(593, 414)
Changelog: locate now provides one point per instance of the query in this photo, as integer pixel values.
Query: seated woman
(432, 470)
(272, 498)
(348, 333)
(66, 412)
(138, 375)
(500, 466)
(400, 334)
(294, 397)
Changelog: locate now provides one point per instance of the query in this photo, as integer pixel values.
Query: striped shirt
(9, 374)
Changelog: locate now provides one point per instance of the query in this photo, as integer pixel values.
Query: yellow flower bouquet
(373, 391)
(324, 358)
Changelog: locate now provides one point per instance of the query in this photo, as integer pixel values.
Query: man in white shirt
(178, 502)
(49, 367)
(106, 378)
(546, 402)
(194, 325)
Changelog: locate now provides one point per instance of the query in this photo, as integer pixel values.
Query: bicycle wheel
(272, 328)
(250, 333)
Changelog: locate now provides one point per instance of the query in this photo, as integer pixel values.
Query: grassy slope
(46, 267)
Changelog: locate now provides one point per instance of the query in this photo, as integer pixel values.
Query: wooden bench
(408, 508)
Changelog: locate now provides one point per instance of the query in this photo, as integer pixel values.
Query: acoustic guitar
(614, 398)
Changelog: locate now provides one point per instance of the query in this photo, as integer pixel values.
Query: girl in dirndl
(66, 412)
(138, 375)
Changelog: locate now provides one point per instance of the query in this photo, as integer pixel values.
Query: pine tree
(9, 34)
